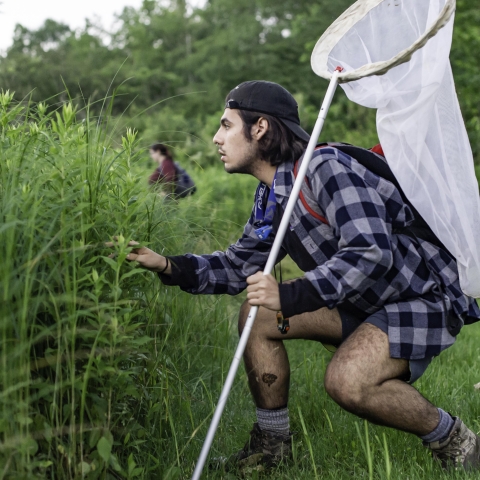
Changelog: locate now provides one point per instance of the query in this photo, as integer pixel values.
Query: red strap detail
(378, 150)
(311, 212)
(302, 197)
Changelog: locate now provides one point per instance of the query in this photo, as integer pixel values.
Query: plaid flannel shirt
(358, 260)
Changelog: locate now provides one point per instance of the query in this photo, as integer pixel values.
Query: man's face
(156, 156)
(237, 153)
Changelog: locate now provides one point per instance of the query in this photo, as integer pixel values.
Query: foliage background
(190, 58)
(105, 372)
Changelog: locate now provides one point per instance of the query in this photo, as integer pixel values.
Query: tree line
(177, 62)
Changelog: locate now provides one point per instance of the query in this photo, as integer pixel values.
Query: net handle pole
(277, 244)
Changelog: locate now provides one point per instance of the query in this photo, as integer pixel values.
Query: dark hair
(279, 144)
(160, 147)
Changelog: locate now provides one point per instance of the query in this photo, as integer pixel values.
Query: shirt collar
(284, 179)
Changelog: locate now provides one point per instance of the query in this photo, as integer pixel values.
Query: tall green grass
(108, 374)
(88, 352)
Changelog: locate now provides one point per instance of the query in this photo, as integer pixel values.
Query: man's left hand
(263, 291)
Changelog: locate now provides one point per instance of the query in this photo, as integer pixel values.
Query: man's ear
(260, 128)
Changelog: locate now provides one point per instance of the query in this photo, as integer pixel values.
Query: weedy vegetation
(108, 374)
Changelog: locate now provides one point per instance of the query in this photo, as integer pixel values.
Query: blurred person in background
(169, 175)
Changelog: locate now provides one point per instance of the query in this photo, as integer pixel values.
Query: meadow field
(108, 374)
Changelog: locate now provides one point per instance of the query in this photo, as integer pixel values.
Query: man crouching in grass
(389, 300)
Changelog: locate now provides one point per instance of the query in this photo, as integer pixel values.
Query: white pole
(277, 244)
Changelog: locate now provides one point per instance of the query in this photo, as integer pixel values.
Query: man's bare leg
(361, 377)
(265, 357)
(268, 371)
(364, 380)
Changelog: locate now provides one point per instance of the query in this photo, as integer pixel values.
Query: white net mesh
(419, 122)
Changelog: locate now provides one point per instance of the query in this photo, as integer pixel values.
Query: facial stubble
(247, 164)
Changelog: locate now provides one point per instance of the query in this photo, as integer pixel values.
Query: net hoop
(347, 20)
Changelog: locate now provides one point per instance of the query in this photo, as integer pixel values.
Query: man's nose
(217, 139)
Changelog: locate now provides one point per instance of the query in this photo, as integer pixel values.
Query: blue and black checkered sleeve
(221, 272)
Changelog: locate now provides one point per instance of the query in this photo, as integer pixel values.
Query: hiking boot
(461, 449)
(263, 450)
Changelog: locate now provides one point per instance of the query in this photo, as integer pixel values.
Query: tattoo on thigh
(269, 378)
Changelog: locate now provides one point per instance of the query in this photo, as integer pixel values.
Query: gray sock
(274, 420)
(442, 430)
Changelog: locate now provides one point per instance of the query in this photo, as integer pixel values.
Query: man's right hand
(146, 258)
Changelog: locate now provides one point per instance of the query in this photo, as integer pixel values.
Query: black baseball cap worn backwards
(269, 98)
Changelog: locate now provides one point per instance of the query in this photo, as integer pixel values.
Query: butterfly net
(395, 56)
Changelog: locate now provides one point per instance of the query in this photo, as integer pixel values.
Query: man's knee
(346, 387)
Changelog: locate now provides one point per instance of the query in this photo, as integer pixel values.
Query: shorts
(350, 322)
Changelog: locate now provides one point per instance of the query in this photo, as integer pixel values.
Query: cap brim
(296, 129)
